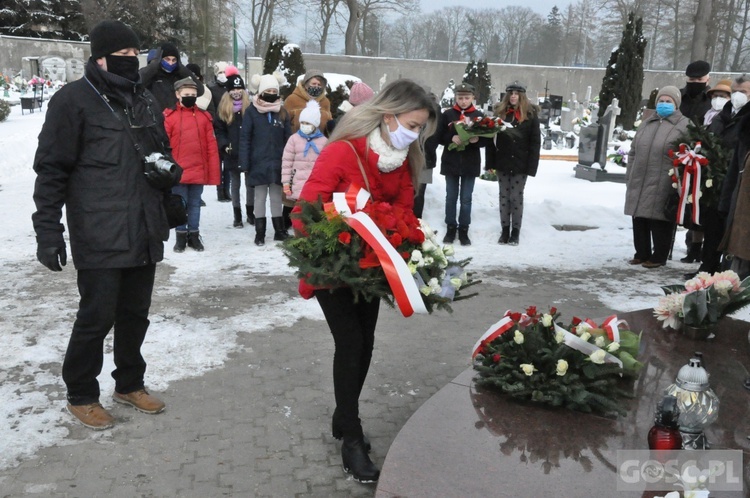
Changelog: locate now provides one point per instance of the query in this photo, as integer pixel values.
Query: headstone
(587, 145)
(53, 69)
(609, 118)
(566, 119)
(74, 70)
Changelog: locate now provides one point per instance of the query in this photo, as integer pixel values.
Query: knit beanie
(220, 67)
(168, 49)
(234, 82)
(108, 37)
(673, 92)
(360, 93)
(311, 113)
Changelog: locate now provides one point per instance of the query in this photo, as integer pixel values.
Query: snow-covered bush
(4, 110)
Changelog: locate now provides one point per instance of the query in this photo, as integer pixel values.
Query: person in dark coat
(160, 75)
(514, 155)
(231, 111)
(87, 161)
(460, 167)
(266, 127)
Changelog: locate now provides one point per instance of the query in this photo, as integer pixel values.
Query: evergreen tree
(623, 78)
(478, 75)
(448, 97)
(272, 59)
(292, 66)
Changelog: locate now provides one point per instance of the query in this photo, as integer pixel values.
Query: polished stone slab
(467, 441)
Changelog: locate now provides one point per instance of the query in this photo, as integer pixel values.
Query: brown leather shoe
(652, 264)
(93, 416)
(141, 400)
(635, 261)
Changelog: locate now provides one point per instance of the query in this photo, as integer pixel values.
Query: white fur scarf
(390, 158)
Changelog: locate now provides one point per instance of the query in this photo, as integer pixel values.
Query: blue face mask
(664, 109)
(167, 66)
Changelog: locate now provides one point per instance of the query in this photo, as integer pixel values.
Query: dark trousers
(646, 230)
(713, 231)
(109, 297)
(353, 328)
(419, 200)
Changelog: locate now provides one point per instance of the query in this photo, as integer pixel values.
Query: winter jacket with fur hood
(297, 101)
(191, 134)
(295, 165)
(649, 184)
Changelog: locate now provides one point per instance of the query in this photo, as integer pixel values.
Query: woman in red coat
(191, 135)
(375, 147)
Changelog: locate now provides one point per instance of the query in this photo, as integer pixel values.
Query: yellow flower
(528, 369)
(456, 283)
(562, 367)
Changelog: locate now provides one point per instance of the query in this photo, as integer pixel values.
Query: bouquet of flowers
(619, 157)
(333, 254)
(489, 175)
(532, 358)
(485, 126)
(702, 300)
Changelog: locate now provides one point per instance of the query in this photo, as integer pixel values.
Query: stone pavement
(260, 424)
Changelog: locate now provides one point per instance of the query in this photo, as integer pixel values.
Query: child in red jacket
(191, 135)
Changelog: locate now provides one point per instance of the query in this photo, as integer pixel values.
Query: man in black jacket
(160, 75)
(90, 162)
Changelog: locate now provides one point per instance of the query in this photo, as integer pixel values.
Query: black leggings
(353, 328)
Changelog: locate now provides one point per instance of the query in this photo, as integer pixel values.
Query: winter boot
(504, 236)
(693, 253)
(463, 236)
(279, 229)
(514, 235)
(238, 218)
(221, 194)
(181, 242)
(357, 462)
(287, 220)
(260, 231)
(194, 241)
(450, 234)
(250, 214)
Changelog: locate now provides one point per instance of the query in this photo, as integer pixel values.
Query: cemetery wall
(433, 74)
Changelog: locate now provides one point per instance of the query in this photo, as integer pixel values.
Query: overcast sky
(541, 6)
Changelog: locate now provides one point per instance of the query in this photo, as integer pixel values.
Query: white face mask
(222, 78)
(739, 99)
(718, 103)
(402, 138)
(307, 129)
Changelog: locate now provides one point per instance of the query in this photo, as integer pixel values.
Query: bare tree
(262, 14)
(701, 21)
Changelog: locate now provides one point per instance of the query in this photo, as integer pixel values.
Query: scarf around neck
(264, 107)
(463, 112)
(309, 138)
(389, 158)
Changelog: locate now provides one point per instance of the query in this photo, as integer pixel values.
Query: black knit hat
(515, 87)
(196, 69)
(697, 69)
(234, 82)
(108, 37)
(167, 49)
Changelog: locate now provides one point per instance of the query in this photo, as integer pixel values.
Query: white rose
(597, 356)
(448, 250)
(670, 172)
(416, 256)
(547, 320)
(412, 267)
(690, 198)
(586, 336)
(426, 290)
(599, 341)
(428, 246)
(428, 260)
(434, 285)
(559, 336)
(709, 183)
(456, 283)
(528, 369)
(613, 347)
(674, 186)
(518, 337)
(562, 367)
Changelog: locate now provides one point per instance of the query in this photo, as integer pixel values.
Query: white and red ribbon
(493, 333)
(691, 180)
(585, 347)
(400, 279)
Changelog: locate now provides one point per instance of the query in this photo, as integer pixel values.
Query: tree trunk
(350, 39)
(740, 40)
(676, 37)
(727, 37)
(702, 19)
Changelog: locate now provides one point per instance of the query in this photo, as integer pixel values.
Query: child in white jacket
(301, 151)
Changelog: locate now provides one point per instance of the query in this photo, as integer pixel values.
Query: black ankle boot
(260, 231)
(238, 218)
(450, 234)
(279, 229)
(514, 235)
(337, 433)
(693, 254)
(194, 241)
(250, 214)
(504, 236)
(463, 236)
(181, 242)
(287, 219)
(356, 461)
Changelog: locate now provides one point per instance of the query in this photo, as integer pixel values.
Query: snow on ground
(35, 328)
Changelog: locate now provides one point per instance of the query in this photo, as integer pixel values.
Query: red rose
(345, 238)
(576, 320)
(496, 358)
(370, 260)
(531, 311)
(552, 310)
(515, 316)
(395, 239)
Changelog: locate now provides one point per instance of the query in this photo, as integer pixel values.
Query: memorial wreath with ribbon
(378, 250)
(531, 357)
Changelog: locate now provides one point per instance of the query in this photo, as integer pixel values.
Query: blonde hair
(396, 98)
(226, 107)
(526, 108)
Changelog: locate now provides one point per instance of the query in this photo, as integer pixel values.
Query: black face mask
(189, 101)
(269, 97)
(694, 88)
(123, 65)
(315, 91)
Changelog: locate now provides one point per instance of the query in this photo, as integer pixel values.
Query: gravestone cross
(609, 119)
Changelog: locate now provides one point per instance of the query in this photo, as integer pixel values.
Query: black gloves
(52, 257)
(161, 179)
(161, 173)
